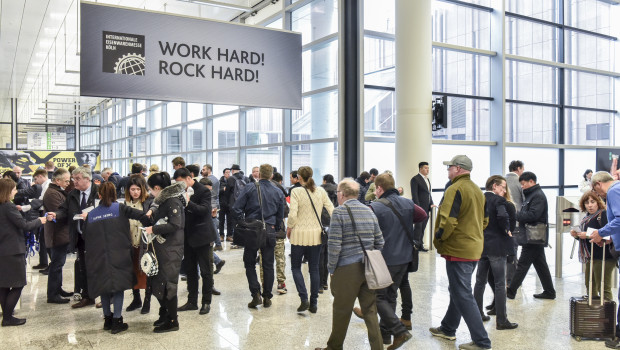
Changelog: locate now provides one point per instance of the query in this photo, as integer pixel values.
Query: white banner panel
(147, 55)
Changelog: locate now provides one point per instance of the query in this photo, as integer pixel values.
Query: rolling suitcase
(593, 321)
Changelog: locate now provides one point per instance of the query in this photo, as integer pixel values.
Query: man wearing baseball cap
(459, 238)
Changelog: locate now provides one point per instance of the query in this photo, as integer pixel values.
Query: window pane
(196, 139)
(225, 130)
(196, 158)
(379, 62)
(461, 25)
(479, 156)
(588, 127)
(219, 109)
(141, 105)
(590, 51)
(320, 66)
(265, 155)
(576, 161)
(173, 139)
(141, 146)
(173, 113)
(322, 157)
(593, 15)
(531, 82)
(541, 9)
(461, 73)
(5, 136)
(315, 20)
(141, 123)
(379, 113)
(531, 39)
(155, 118)
(531, 124)
(541, 161)
(277, 24)
(374, 156)
(195, 111)
(379, 15)
(263, 126)
(318, 119)
(589, 90)
(155, 146)
(130, 107)
(468, 119)
(224, 159)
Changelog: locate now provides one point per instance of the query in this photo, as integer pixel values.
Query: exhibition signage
(51, 141)
(128, 53)
(30, 161)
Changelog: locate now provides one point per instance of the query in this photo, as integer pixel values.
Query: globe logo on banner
(123, 53)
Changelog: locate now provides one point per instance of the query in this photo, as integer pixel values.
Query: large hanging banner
(128, 53)
(30, 161)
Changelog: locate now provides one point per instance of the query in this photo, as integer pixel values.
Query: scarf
(584, 244)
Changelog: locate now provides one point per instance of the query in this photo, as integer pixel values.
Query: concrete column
(413, 89)
(498, 87)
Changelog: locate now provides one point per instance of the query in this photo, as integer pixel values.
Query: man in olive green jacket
(459, 238)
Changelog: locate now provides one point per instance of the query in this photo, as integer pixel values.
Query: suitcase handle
(592, 270)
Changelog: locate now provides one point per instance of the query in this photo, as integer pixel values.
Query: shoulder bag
(375, 269)
(252, 233)
(413, 265)
(323, 232)
(148, 262)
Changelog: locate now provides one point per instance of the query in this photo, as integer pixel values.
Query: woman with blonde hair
(304, 232)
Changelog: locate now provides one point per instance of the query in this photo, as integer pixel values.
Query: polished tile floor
(231, 325)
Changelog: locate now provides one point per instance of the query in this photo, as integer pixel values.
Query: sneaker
(400, 340)
(234, 246)
(613, 344)
(438, 332)
(282, 288)
(218, 267)
(471, 346)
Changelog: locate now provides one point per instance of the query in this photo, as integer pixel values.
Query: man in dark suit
(81, 197)
(199, 238)
(421, 195)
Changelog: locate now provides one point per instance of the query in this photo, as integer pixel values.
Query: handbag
(324, 236)
(414, 263)
(148, 262)
(532, 234)
(375, 269)
(252, 233)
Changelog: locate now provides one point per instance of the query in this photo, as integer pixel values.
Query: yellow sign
(30, 161)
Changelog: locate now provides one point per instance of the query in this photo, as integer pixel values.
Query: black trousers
(81, 283)
(418, 230)
(226, 218)
(267, 258)
(44, 252)
(405, 298)
(195, 257)
(386, 303)
(532, 254)
(323, 273)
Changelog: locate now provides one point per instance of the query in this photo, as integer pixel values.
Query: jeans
(218, 239)
(117, 299)
(386, 303)
(199, 256)
(532, 254)
(312, 253)
(462, 303)
(497, 264)
(249, 261)
(54, 279)
(406, 299)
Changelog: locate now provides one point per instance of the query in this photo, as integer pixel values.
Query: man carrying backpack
(234, 186)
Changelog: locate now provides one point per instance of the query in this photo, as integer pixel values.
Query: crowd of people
(148, 231)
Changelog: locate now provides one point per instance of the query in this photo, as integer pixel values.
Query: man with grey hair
(81, 197)
(110, 175)
(606, 187)
(351, 220)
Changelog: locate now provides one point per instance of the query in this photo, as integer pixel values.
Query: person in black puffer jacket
(497, 246)
(169, 219)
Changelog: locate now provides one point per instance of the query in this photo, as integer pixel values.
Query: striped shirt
(343, 245)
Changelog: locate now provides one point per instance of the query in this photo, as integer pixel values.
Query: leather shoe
(423, 250)
(188, 307)
(205, 309)
(544, 295)
(313, 308)
(485, 317)
(303, 306)
(65, 294)
(39, 267)
(400, 340)
(490, 306)
(218, 267)
(256, 300)
(492, 312)
(45, 271)
(215, 291)
(266, 302)
(13, 321)
(506, 325)
(510, 294)
(358, 312)
(57, 300)
(407, 324)
(98, 305)
(82, 303)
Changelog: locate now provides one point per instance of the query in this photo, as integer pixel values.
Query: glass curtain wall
(154, 132)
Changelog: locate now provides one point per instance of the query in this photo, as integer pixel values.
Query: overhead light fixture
(220, 4)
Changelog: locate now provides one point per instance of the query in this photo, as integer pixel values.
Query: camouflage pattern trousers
(280, 261)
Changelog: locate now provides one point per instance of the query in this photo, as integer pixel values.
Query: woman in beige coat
(304, 232)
